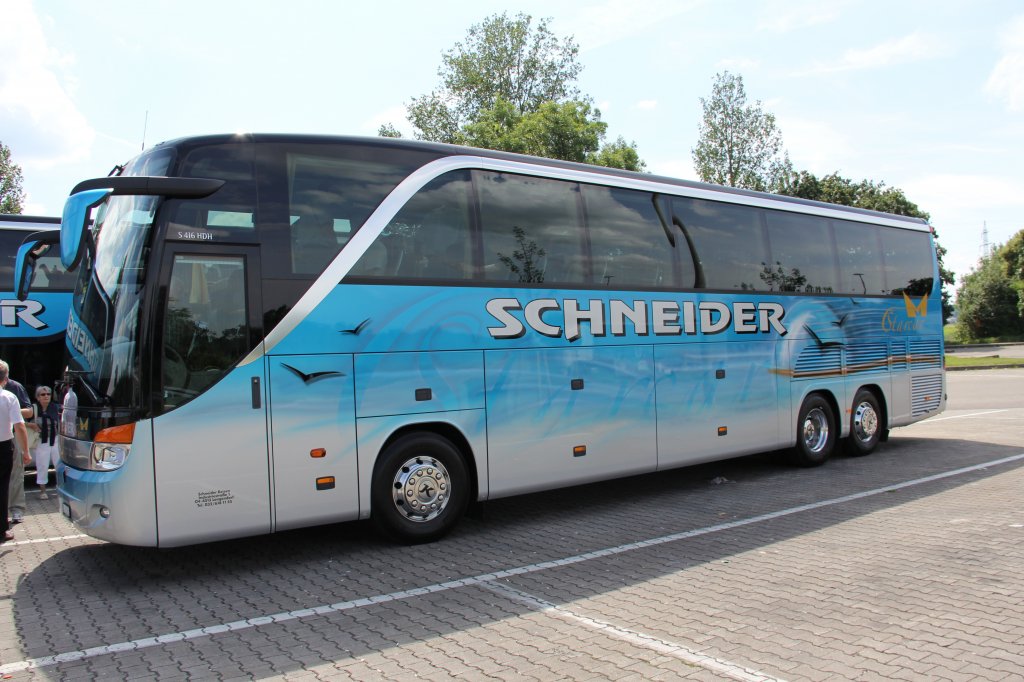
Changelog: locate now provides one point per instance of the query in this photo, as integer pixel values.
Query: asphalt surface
(902, 565)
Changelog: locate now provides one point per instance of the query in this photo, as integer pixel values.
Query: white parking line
(731, 670)
(963, 416)
(478, 580)
(15, 543)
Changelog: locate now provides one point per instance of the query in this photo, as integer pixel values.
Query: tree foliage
(503, 58)
(511, 86)
(619, 154)
(12, 197)
(989, 301)
(739, 144)
(875, 196)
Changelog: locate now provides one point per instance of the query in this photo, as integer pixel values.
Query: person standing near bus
(46, 417)
(11, 422)
(22, 456)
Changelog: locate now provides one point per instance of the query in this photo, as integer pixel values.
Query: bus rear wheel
(420, 488)
(815, 432)
(865, 424)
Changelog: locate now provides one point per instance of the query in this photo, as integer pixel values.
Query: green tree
(388, 130)
(502, 58)
(619, 154)
(988, 302)
(12, 197)
(570, 131)
(875, 196)
(739, 144)
(511, 86)
(1011, 257)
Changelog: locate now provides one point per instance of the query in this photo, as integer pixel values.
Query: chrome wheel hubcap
(815, 430)
(865, 422)
(422, 489)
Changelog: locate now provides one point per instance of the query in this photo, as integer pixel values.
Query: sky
(925, 96)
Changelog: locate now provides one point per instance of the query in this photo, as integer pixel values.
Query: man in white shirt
(12, 425)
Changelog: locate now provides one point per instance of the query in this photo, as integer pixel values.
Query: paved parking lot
(902, 565)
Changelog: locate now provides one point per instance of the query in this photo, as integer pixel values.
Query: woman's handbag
(34, 436)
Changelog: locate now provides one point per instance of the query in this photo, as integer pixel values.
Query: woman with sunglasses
(45, 454)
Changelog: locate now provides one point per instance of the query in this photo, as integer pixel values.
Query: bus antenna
(145, 124)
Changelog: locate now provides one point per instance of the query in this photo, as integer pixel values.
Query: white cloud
(738, 64)
(958, 192)
(785, 15)
(38, 117)
(615, 20)
(814, 145)
(910, 48)
(647, 104)
(394, 115)
(673, 168)
(1007, 78)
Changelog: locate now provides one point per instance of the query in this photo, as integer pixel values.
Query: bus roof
(444, 150)
(27, 222)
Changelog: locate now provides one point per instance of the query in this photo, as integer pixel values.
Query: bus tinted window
(331, 193)
(227, 214)
(531, 229)
(429, 238)
(860, 258)
(803, 254)
(907, 260)
(50, 275)
(628, 245)
(729, 241)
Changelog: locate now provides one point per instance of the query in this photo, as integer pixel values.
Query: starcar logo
(914, 321)
(660, 318)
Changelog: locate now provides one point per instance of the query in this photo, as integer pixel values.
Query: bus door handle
(257, 400)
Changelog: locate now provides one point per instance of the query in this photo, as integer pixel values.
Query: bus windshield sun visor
(90, 193)
(35, 246)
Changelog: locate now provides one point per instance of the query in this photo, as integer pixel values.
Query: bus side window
(428, 239)
(531, 229)
(860, 258)
(803, 254)
(907, 261)
(315, 241)
(628, 244)
(729, 242)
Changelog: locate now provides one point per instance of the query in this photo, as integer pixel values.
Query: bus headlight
(109, 456)
(111, 447)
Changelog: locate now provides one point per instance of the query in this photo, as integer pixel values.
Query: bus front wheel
(815, 432)
(865, 424)
(420, 488)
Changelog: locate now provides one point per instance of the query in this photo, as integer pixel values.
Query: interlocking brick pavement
(919, 582)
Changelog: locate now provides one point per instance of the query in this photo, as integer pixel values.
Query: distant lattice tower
(986, 248)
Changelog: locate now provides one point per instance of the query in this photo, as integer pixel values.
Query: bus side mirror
(35, 246)
(74, 224)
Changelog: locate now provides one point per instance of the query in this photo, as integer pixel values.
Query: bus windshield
(104, 320)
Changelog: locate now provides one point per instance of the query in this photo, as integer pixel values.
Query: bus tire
(815, 432)
(866, 424)
(420, 488)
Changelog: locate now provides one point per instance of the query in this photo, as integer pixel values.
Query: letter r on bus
(11, 310)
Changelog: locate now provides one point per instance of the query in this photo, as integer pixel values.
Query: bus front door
(210, 444)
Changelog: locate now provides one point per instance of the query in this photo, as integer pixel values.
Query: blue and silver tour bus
(277, 331)
(32, 327)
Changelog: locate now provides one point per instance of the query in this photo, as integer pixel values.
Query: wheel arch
(883, 404)
(446, 430)
(830, 398)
